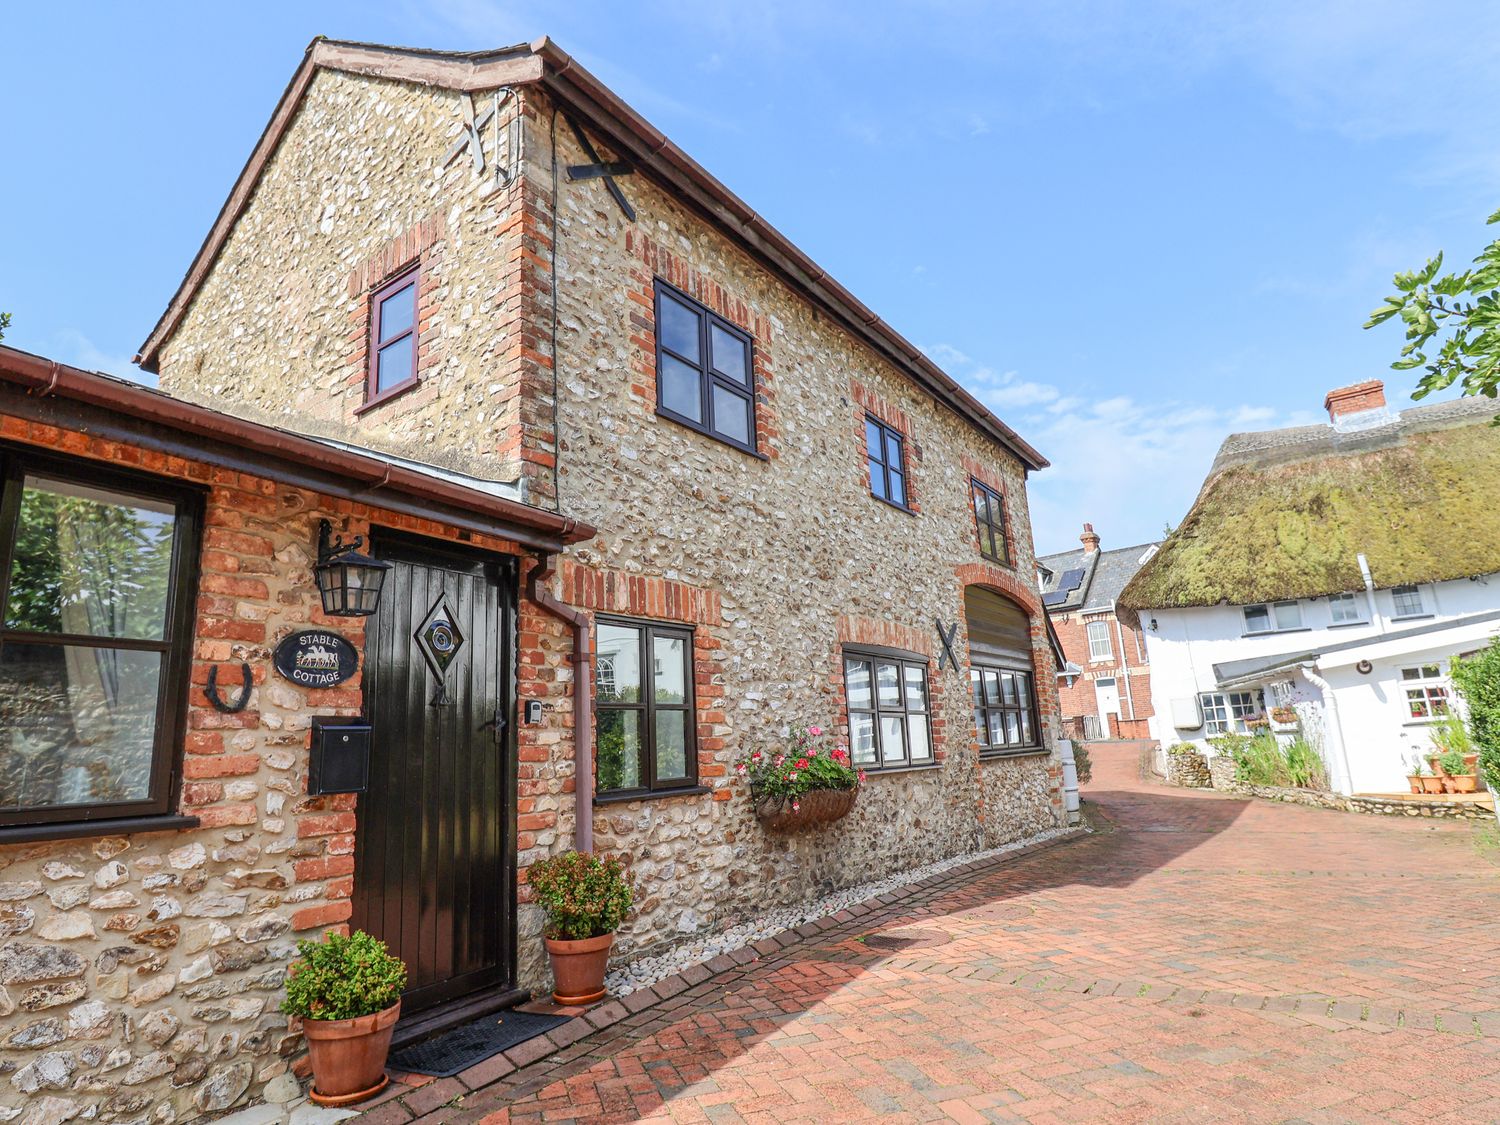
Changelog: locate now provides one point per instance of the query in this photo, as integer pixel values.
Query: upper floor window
(1344, 609)
(1408, 601)
(1099, 645)
(889, 725)
(95, 637)
(885, 450)
(705, 376)
(393, 336)
(989, 516)
(1226, 712)
(644, 692)
(1426, 691)
(1273, 617)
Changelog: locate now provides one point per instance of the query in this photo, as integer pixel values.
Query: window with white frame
(1099, 646)
(1226, 712)
(1343, 609)
(1408, 601)
(1426, 691)
(1273, 617)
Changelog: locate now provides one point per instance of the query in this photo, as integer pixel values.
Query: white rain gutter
(1364, 572)
(1335, 727)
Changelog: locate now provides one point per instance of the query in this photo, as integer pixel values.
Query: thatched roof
(1284, 514)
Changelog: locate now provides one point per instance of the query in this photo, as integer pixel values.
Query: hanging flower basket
(814, 808)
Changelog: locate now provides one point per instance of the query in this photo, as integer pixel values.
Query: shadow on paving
(641, 1064)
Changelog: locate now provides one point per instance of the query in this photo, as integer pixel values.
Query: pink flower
(755, 757)
(792, 776)
(780, 758)
(861, 777)
(815, 731)
(796, 805)
(801, 763)
(740, 767)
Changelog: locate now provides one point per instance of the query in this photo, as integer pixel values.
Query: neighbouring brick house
(800, 520)
(1108, 694)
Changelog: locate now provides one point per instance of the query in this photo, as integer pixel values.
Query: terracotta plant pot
(821, 806)
(348, 1056)
(1432, 784)
(1415, 782)
(578, 968)
(1462, 782)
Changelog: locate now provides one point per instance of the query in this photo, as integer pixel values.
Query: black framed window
(646, 734)
(989, 518)
(1004, 708)
(96, 582)
(393, 337)
(889, 723)
(705, 374)
(885, 450)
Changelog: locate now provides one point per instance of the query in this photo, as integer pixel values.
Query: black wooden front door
(435, 854)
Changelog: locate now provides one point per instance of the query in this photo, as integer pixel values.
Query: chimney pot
(1354, 399)
(1089, 539)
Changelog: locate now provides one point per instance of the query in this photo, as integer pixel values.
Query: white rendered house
(1334, 569)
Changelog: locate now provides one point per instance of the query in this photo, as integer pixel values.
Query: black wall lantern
(348, 582)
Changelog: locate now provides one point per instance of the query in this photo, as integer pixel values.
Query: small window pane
(898, 488)
(877, 479)
(857, 680)
(671, 745)
(90, 562)
(679, 328)
(893, 449)
(732, 415)
(916, 687)
(1288, 615)
(997, 728)
(398, 312)
(888, 684)
(619, 751)
(1257, 618)
(681, 389)
(77, 725)
(992, 687)
(619, 668)
(1012, 729)
(1008, 689)
(980, 728)
(730, 354)
(394, 365)
(916, 728)
(976, 681)
(670, 669)
(892, 738)
(1026, 736)
(873, 440)
(1408, 601)
(1430, 671)
(862, 739)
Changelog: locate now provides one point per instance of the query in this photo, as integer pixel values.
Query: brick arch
(1002, 582)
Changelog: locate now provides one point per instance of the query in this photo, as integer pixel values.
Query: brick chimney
(1089, 539)
(1354, 399)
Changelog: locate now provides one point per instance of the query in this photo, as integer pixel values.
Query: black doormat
(445, 1055)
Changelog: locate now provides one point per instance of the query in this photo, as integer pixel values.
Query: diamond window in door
(439, 638)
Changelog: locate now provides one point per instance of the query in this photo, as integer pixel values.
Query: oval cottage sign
(316, 658)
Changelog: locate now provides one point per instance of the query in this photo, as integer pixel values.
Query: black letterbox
(340, 756)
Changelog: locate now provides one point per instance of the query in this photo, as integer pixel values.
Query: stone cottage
(488, 275)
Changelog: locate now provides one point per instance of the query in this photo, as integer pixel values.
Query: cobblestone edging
(648, 970)
(1373, 806)
(654, 1004)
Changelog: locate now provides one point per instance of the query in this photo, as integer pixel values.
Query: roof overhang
(544, 64)
(51, 392)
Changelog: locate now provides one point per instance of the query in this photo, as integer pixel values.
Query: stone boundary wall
(1373, 806)
(1188, 768)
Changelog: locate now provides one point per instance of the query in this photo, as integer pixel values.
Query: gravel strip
(648, 970)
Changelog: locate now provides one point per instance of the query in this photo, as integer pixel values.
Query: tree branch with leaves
(1458, 311)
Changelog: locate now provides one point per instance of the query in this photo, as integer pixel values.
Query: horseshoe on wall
(211, 691)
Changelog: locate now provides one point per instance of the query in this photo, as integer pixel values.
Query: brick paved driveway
(1203, 959)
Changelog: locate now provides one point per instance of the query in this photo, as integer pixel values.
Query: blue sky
(1131, 227)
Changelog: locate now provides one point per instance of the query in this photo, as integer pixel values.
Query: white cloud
(74, 348)
(1126, 466)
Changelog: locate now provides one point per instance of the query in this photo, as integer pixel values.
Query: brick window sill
(1003, 755)
(75, 830)
(650, 795)
(872, 772)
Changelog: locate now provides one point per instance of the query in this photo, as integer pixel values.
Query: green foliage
(584, 896)
(1478, 680)
(341, 977)
(4, 324)
(1450, 733)
(1419, 766)
(1461, 312)
(1083, 763)
(1262, 760)
(1451, 762)
(805, 764)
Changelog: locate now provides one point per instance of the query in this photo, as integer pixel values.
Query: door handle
(497, 724)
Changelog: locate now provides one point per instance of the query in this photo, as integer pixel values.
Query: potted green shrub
(585, 899)
(803, 784)
(1456, 775)
(346, 989)
(1418, 769)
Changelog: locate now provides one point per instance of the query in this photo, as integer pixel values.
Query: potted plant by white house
(347, 992)
(585, 899)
